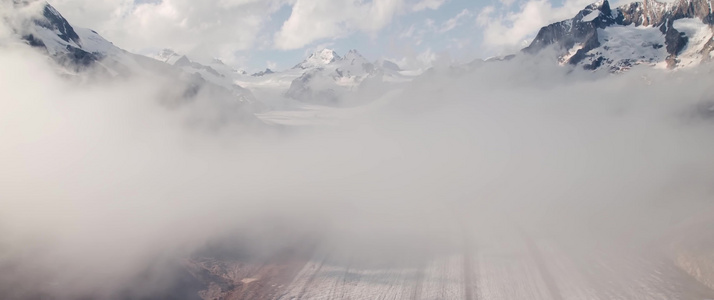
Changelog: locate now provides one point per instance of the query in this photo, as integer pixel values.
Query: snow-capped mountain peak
(41, 26)
(319, 59)
(54, 20)
(325, 56)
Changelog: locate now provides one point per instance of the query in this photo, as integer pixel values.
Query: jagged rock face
(589, 37)
(76, 50)
(646, 13)
(51, 19)
(569, 32)
(66, 49)
(54, 21)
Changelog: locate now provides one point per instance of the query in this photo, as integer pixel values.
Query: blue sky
(461, 43)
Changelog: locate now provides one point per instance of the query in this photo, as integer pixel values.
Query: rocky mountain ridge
(644, 32)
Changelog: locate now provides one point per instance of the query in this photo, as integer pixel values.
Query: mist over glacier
(104, 187)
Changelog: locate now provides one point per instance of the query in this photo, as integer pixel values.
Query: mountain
(318, 59)
(670, 35)
(75, 49)
(328, 77)
(389, 65)
(215, 72)
(83, 53)
(323, 77)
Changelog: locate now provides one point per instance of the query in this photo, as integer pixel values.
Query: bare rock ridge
(54, 20)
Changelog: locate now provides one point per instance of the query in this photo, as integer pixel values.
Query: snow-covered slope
(83, 53)
(318, 59)
(75, 49)
(670, 35)
(324, 77)
(328, 77)
(215, 72)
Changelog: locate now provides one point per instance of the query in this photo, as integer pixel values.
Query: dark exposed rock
(595, 64)
(54, 21)
(263, 73)
(675, 41)
(73, 58)
(33, 41)
(567, 33)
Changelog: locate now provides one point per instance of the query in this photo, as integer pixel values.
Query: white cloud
(507, 2)
(418, 32)
(312, 20)
(428, 4)
(408, 33)
(457, 20)
(221, 27)
(101, 183)
(508, 30)
(203, 28)
(422, 60)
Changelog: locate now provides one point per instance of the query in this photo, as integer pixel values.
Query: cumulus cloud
(215, 28)
(312, 20)
(220, 28)
(417, 33)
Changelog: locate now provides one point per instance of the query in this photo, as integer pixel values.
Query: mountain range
(662, 35)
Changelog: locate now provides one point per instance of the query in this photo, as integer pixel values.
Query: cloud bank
(102, 183)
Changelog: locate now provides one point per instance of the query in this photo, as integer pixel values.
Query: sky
(277, 34)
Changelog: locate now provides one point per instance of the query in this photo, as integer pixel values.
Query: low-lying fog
(101, 184)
